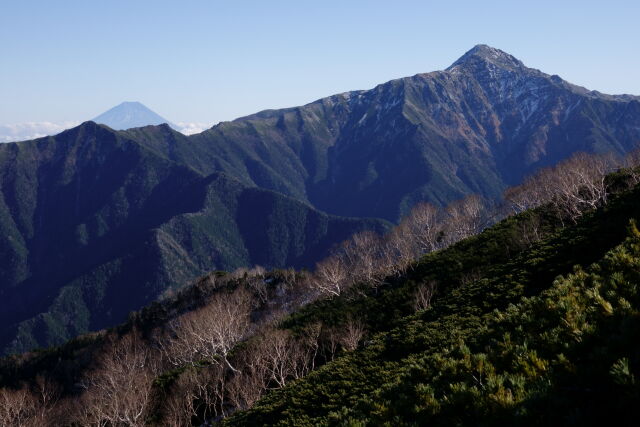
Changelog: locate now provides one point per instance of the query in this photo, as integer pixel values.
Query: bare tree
(199, 391)
(118, 390)
(425, 224)
(249, 384)
(465, 218)
(278, 355)
(209, 333)
(332, 276)
(330, 342)
(401, 248)
(423, 294)
(581, 183)
(632, 164)
(353, 332)
(573, 186)
(309, 345)
(17, 407)
(363, 256)
(46, 393)
(281, 356)
(178, 406)
(258, 287)
(518, 198)
(530, 231)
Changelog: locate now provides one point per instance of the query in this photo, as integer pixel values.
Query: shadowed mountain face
(95, 222)
(131, 115)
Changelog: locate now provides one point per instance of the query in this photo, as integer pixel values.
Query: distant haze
(206, 61)
(123, 116)
(131, 115)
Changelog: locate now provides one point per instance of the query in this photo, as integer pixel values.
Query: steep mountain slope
(514, 335)
(95, 225)
(477, 127)
(130, 115)
(99, 209)
(504, 340)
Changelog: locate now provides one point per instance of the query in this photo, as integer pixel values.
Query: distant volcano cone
(131, 115)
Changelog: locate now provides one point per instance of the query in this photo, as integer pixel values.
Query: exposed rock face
(478, 126)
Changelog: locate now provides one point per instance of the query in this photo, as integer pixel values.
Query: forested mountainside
(93, 213)
(94, 225)
(533, 320)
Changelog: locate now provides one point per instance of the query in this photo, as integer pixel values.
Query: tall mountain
(94, 224)
(131, 115)
(94, 214)
(476, 127)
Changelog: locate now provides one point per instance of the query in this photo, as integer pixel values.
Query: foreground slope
(95, 225)
(506, 339)
(521, 330)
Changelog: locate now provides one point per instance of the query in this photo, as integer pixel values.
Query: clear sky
(207, 61)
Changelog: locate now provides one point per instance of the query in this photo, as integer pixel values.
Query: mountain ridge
(525, 118)
(79, 235)
(307, 175)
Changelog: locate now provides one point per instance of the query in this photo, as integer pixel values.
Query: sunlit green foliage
(507, 340)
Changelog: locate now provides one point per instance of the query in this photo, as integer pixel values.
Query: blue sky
(207, 61)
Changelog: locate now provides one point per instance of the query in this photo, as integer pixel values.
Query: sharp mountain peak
(482, 54)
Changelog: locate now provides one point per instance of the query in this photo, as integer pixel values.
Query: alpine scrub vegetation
(569, 355)
(504, 339)
(533, 319)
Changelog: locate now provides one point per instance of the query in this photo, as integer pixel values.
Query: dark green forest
(534, 320)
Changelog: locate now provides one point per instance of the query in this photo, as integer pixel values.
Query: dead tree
(465, 218)
(352, 333)
(400, 249)
(118, 390)
(423, 294)
(363, 257)
(17, 407)
(209, 333)
(425, 225)
(331, 276)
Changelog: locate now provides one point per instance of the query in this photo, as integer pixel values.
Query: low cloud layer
(188, 128)
(32, 130)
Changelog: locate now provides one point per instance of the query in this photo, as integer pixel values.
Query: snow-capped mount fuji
(129, 115)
